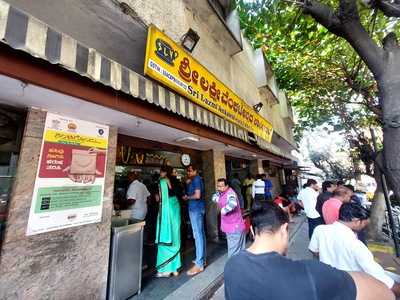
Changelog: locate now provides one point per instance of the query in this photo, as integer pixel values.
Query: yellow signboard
(170, 64)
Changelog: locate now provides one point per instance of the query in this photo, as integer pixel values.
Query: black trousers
(312, 223)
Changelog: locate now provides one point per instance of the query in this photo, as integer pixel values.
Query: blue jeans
(236, 242)
(197, 220)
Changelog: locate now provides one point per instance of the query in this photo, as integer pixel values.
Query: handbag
(83, 163)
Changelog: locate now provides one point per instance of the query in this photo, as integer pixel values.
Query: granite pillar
(64, 264)
(213, 168)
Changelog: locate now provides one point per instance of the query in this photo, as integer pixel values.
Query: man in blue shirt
(197, 208)
(268, 188)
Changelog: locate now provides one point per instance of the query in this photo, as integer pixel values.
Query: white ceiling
(15, 92)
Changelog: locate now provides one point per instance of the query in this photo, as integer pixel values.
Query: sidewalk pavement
(298, 249)
(385, 256)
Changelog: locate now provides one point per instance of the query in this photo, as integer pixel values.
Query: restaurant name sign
(170, 64)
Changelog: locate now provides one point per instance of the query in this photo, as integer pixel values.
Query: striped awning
(24, 32)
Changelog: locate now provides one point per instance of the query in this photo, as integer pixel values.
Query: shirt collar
(227, 190)
(310, 189)
(344, 228)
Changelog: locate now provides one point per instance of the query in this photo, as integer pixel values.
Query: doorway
(12, 124)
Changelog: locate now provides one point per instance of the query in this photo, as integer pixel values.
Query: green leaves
(321, 73)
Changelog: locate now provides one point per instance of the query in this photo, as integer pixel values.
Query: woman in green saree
(168, 237)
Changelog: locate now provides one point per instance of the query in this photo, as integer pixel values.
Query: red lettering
(224, 98)
(184, 69)
(195, 77)
(214, 93)
(204, 84)
(230, 103)
(235, 107)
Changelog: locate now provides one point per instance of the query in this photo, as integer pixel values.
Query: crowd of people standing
(346, 268)
(161, 207)
(336, 222)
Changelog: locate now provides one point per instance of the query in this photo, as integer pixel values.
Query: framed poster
(69, 183)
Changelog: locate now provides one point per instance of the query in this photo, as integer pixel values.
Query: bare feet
(175, 274)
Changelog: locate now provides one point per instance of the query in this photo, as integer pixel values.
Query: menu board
(69, 184)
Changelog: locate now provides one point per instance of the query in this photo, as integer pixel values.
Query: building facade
(85, 60)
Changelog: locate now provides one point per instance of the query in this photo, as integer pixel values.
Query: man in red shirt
(331, 207)
(286, 205)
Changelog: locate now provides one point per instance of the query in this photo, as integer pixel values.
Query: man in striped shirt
(232, 223)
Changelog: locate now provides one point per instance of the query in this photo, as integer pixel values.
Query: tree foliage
(332, 168)
(372, 64)
(325, 80)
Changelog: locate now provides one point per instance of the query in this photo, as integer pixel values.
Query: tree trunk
(389, 89)
(377, 210)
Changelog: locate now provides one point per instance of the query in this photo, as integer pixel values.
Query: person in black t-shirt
(328, 187)
(263, 272)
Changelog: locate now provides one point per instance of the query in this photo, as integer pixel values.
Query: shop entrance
(12, 123)
(146, 158)
(237, 165)
(237, 170)
(146, 162)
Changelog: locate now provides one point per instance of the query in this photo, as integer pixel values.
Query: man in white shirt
(337, 245)
(258, 191)
(137, 195)
(308, 199)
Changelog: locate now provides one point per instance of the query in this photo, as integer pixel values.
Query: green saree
(168, 236)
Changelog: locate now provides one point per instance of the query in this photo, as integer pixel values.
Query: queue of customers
(337, 220)
(164, 218)
(323, 208)
(167, 222)
(263, 271)
(346, 268)
(161, 208)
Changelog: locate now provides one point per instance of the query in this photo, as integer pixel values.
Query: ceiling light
(190, 39)
(187, 139)
(257, 107)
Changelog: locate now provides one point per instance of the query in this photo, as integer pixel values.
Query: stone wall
(272, 112)
(65, 264)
